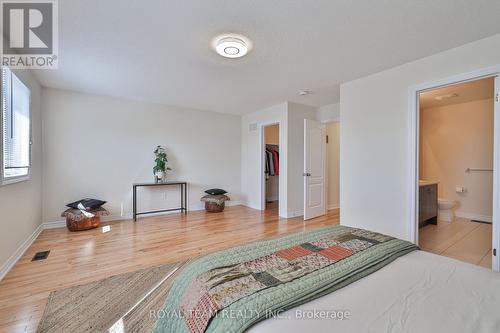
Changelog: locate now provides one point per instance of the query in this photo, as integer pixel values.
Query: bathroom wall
(454, 138)
(272, 137)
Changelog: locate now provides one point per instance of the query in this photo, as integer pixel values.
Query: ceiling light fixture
(231, 46)
(304, 92)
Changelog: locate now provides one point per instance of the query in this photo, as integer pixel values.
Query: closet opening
(272, 168)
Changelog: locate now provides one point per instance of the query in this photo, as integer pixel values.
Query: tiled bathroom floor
(461, 239)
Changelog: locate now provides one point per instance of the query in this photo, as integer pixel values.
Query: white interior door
(314, 169)
(496, 180)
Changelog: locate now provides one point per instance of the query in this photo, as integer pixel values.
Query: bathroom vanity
(428, 203)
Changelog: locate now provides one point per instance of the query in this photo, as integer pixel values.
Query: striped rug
(121, 303)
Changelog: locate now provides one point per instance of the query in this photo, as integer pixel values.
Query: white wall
(291, 117)
(251, 176)
(21, 203)
(333, 164)
(98, 146)
(374, 155)
(328, 113)
(454, 138)
(295, 152)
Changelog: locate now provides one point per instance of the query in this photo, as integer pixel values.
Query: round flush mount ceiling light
(231, 46)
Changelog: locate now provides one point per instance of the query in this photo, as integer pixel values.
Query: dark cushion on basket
(87, 204)
(215, 191)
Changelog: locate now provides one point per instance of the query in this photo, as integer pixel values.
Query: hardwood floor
(461, 239)
(83, 257)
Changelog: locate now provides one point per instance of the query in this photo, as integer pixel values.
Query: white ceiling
(159, 50)
(466, 92)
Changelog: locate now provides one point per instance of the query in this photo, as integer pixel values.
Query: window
(16, 129)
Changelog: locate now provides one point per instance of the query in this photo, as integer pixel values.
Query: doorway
(455, 150)
(272, 168)
(456, 171)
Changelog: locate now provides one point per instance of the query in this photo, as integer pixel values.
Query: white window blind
(16, 127)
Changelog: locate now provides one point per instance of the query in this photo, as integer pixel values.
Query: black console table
(182, 208)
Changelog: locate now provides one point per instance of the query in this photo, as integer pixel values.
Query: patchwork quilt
(230, 290)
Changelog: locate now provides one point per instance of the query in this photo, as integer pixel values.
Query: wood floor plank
(83, 257)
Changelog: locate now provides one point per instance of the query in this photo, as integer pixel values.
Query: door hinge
(496, 97)
(495, 252)
(327, 139)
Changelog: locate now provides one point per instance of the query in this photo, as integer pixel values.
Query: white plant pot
(160, 175)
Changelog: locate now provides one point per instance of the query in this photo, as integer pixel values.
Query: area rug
(121, 303)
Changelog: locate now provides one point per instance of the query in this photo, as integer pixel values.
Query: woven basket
(213, 207)
(215, 203)
(78, 220)
(83, 224)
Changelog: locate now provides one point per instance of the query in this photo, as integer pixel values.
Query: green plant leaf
(161, 160)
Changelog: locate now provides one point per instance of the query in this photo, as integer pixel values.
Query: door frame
(262, 144)
(413, 149)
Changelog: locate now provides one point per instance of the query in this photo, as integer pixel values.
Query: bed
(419, 292)
(334, 278)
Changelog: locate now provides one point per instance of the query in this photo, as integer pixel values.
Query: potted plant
(161, 167)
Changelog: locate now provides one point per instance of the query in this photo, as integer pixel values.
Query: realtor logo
(29, 38)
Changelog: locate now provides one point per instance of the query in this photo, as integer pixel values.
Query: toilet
(446, 206)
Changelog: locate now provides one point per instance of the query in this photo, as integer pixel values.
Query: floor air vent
(41, 255)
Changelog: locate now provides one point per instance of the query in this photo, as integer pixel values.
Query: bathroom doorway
(455, 163)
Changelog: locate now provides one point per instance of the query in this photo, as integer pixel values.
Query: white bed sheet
(419, 292)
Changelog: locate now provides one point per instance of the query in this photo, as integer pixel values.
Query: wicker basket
(79, 220)
(83, 224)
(213, 207)
(215, 203)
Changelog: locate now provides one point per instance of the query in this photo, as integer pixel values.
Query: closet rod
(473, 169)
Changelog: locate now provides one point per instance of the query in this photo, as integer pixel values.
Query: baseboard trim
(333, 206)
(53, 225)
(110, 218)
(128, 216)
(14, 258)
(294, 214)
(473, 216)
